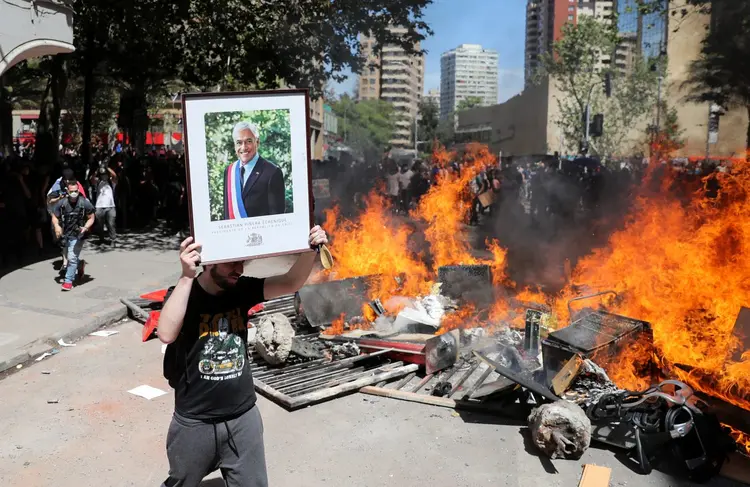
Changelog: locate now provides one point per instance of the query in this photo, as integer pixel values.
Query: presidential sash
(235, 205)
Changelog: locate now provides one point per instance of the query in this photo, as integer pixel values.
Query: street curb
(106, 318)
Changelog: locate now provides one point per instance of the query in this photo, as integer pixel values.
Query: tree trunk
(88, 96)
(6, 120)
(48, 125)
(133, 118)
(747, 135)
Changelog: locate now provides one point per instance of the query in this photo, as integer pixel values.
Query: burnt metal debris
(552, 378)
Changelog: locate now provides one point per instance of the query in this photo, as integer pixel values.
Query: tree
(367, 125)
(574, 65)
(21, 87)
(468, 103)
(302, 43)
(427, 123)
(721, 74)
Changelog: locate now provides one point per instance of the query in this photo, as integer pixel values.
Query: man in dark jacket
(253, 186)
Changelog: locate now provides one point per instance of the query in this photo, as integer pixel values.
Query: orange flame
(374, 245)
(685, 268)
(741, 438)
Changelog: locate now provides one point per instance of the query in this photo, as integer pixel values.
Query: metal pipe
(579, 298)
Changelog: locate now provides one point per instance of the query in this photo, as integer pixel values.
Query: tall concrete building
(396, 77)
(544, 22)
(467, 71)
(433, 96)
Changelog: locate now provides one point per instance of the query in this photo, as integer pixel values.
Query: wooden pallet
(466, 378)
(305, 383)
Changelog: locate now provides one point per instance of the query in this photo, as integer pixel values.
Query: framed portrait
(248, 171)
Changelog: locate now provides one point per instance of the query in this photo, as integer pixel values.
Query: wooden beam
(443, 402)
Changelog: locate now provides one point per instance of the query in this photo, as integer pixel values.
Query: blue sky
(495, 24)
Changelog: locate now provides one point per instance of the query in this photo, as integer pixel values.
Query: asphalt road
(97, 434)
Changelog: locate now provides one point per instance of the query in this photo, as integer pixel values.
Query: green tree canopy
(366, 125)
(429, 118)
(468, 103)
(575, 67)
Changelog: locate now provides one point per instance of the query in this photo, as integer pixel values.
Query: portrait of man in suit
(253, 186)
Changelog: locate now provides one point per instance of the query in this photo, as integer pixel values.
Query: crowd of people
(46, 206)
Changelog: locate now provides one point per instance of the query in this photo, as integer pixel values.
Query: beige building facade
(526, 124)
(686, 35)
(397, 77)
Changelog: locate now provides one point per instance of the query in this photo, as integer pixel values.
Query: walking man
(216, 424)
(106, 212)
(72, 220)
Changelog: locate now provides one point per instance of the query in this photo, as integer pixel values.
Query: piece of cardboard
(595, 476)
(562, 380)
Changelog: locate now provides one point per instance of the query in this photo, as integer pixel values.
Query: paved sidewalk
(35, 313)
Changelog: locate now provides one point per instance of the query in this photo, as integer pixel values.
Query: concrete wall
(520, 126)
(32, 29)
(683, 47)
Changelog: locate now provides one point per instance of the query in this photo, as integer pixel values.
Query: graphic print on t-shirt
(224, 353)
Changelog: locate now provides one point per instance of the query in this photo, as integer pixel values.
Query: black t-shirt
(73, 216)
(214, 379)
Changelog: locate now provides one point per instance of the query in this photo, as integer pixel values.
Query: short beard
(220, 281)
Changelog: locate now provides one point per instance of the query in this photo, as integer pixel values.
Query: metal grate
(304, 383)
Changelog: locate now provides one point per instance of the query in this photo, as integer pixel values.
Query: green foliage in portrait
(275, 146)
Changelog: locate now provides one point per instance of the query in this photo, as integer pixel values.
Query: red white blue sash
(234, 192)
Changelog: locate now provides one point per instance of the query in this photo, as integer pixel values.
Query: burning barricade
(670, 284)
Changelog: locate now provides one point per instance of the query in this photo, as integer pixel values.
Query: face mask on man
(74, 194)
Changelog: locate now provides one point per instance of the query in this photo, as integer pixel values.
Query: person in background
(393, 184)
(106, 212)
(73, 218)
(404, 185)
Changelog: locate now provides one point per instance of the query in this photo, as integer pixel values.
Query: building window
(372, 81)
(570, 17)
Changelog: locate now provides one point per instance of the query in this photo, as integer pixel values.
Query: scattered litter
(62, 343)
(46, 372)
(163, 348)
(43, 356)
(595, 476)
(343, 350)
(104, 333)
(19, 366)
(52, 401)
(147, 392)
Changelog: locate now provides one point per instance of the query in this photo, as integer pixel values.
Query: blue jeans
(74, 246)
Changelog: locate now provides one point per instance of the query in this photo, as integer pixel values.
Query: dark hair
(71, 182)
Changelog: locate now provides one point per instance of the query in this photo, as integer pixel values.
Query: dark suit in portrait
(261, 194)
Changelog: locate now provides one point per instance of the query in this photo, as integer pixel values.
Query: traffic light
(597, 126)
(608, 84)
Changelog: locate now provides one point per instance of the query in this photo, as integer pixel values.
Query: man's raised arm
(173, 313)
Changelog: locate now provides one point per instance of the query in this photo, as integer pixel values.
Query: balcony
(33, 29)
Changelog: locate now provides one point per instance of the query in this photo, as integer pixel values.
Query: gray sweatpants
(196, 448)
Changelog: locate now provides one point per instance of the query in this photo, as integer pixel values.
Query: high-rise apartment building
(545, 20)
(397, 77)
(467, 71)
(433, 96)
